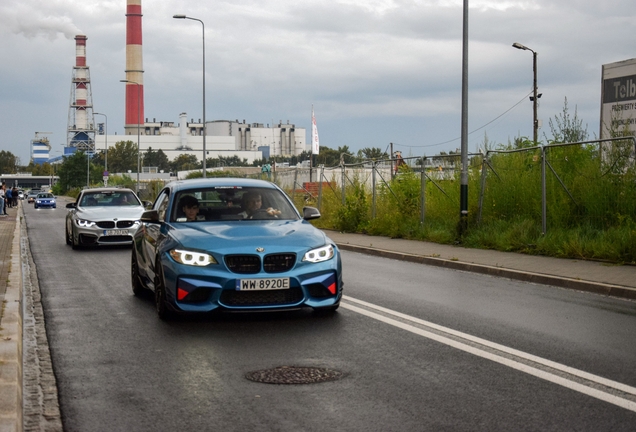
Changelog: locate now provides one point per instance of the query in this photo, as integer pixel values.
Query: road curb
(11, 373)
(539, 278)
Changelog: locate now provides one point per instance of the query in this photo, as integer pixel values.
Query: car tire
(68, 237)
(74, 243)
(138, 287)
(161, 304)
(35, 206)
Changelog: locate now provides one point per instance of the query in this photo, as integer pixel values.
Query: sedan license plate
(115, 232)
(262, 284)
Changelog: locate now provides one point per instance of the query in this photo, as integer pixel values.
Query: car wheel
(138, 287)
(35, 206)
(74, 242)
(160, 295)
(68, 237)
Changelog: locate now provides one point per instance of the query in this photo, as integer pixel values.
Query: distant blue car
(230, 244)
(44, 199)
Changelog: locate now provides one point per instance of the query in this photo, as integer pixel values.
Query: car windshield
(45, 195)
(110, 198)
(232, 203)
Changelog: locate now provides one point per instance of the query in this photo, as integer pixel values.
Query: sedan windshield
(115, 198)
(232, 203)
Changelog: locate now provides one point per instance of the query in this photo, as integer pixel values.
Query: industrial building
(223, 138)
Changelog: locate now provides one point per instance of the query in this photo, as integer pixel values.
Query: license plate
(262, 284)
(115, 232)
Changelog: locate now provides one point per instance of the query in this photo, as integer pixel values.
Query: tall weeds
(590, 208)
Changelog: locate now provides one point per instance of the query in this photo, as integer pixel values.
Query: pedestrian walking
(9, 198)
(3, 212)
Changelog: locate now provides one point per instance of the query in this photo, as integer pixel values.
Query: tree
(157, 159)
(185, 162)
(373, 153)
(122, 157)
(8, 162)
(74, 170)
(40, 169)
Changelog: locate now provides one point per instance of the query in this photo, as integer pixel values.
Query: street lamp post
(138, 128)
(534, 89)
(105, 147)
(204, 131)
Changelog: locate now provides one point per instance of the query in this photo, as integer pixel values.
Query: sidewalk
(603, 278)
(10, 323)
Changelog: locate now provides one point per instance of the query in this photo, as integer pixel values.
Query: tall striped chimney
(134, 69)
(80, 131)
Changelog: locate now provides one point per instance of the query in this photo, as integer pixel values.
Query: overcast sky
(376, 71)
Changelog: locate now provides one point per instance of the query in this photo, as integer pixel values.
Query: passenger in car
(189, 205)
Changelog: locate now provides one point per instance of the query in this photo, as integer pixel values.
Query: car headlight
(320, 254)
(192, 258)
(85, 223)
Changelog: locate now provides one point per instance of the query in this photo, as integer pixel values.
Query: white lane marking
(573, 385)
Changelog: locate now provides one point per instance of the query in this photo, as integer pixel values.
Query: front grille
(261, 298)
(278, 263)
(112, 224)
(243, 264)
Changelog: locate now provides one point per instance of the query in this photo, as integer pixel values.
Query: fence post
(544, 213)
(373, 165)
(422, 193)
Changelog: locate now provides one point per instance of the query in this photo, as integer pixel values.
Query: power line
(475, 130)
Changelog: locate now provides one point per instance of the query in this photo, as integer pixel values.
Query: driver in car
(252, 203)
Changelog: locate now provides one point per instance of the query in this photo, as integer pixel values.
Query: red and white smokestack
(134, 68)
(81, 79)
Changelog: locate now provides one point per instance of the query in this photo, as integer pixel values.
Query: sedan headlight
(84, 223)
(320, 254)
(192, 258)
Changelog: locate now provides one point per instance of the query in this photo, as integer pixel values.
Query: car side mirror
(147, 204)
(71, 205)
(310, 213)
(150, 216)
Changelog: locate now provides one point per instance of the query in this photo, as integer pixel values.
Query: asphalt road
(419, 348)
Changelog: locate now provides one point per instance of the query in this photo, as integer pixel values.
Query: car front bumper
(205, 289)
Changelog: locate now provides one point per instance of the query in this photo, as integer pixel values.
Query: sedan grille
(262, 298)
(278, 263)
(251, 264)
(118, 224)
(243, 264)
(106, 224)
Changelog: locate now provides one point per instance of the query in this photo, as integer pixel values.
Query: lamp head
(179, 16)
(519, 46)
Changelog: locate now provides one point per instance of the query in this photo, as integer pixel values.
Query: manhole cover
(294, 375)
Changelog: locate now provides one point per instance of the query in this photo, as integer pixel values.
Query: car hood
(237, 235)
(109, 213)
